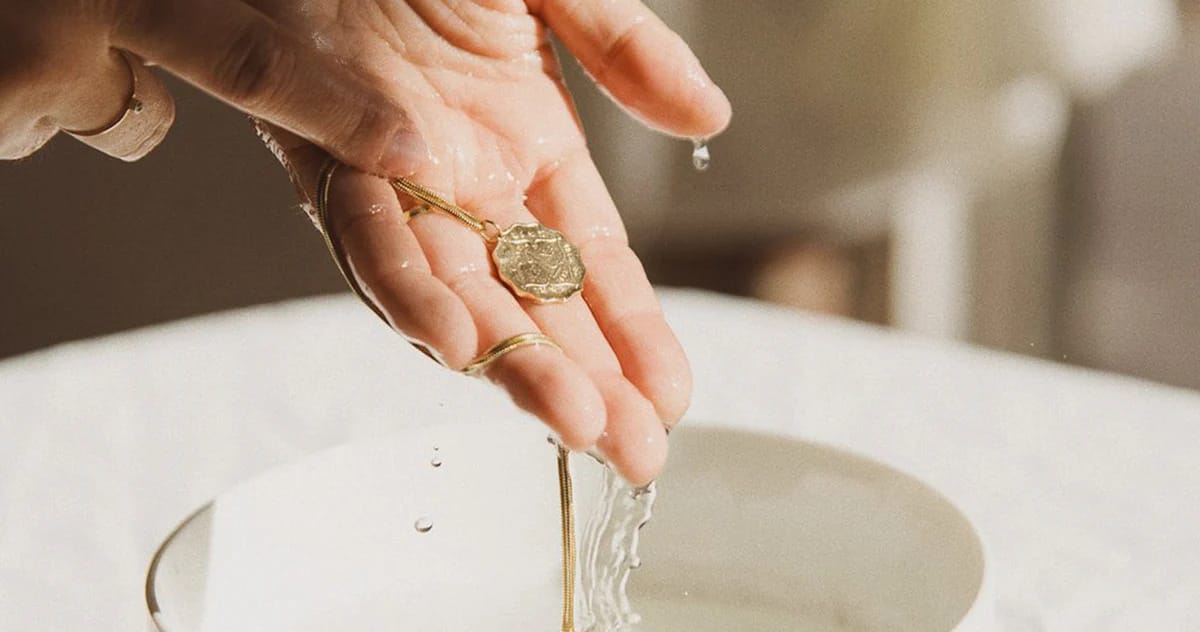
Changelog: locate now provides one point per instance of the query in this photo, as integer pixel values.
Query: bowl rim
(151, 594)
(975, 615)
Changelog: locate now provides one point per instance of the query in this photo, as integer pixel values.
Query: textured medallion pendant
(538, 263)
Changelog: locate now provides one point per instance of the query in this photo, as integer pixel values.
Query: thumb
(236, 53)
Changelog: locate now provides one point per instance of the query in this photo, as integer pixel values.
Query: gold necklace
(566, 504)
(536, 262)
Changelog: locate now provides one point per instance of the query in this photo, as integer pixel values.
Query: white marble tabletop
(1086, 486)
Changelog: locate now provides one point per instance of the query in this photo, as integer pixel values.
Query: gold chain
(535, 261)
(566, 503)
(324, 183)
(485, 227)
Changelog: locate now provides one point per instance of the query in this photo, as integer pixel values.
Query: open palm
(499, 135)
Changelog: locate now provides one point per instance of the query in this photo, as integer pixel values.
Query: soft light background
(1020, 175)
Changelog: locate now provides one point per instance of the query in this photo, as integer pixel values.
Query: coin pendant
(538, 263)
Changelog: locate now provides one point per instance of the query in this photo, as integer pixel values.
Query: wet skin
(501, 136)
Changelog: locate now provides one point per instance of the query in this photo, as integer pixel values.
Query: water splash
(700, 154)
(609, 553)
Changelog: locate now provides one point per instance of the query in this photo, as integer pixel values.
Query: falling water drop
(423, 525)
(700, 155)
(436, 461)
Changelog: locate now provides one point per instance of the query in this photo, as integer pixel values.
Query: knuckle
(474, 281)
(31, 71)
(353, 221)
(584, 436)
(256, 66)
(610, 243)
(369, 131)
(618, 47)
(385, 277)
(615, 254)
(17, 143)
(550, 380)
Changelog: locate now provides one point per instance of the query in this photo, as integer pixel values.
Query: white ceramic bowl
(751, 532)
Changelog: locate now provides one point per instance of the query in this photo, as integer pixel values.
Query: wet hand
(499, 135)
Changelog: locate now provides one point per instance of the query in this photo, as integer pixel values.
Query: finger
(634, 442)
(641, 62)
(22, 141)
(126, 114)
(634, 439)
(541, 380)
(634, 434)
(573, 199)
(458, 319)
(385, 258)
(233, 51)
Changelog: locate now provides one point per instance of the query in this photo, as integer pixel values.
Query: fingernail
(407, 153)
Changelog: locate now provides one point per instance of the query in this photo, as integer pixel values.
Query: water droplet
(436, 462)
(311, 212)
(700, 154)
(423, 525)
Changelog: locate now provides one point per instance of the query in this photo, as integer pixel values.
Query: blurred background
(1021, 175)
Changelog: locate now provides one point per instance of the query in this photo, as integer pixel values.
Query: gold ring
(148, 115)
(505, 347)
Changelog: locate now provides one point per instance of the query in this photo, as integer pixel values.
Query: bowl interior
(751, 532)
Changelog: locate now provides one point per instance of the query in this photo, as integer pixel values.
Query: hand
(60, 70)
(482, 85)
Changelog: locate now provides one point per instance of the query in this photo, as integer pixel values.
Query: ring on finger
(147, 116)
(505, 347)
